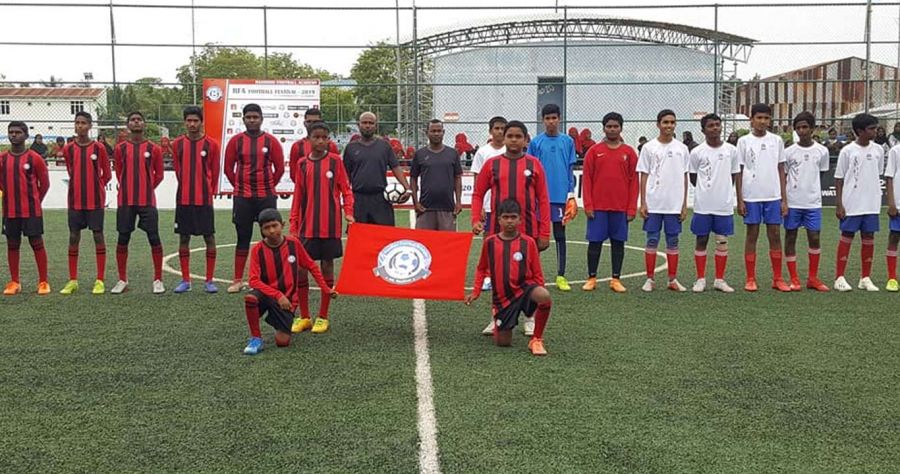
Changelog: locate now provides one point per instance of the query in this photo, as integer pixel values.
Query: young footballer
(805, 161)
(610, 199)
(24, 181)
(514, 261)
(321, 191)
(556, 152)
(254, 163)
(663, 169)
(714, 166)
(761, 194)
(87, 164)
(303, 147)
(892, 179)
(196, 159)
(494, 147)
(139, 170)
(520, 176)
(858, 186)
(275, 266)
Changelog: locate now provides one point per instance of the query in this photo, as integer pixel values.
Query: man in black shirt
(438, 197)
(366, 161)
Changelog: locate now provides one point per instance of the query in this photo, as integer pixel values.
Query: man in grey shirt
(436, 182)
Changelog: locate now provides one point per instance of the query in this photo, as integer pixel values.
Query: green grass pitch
(638, 382)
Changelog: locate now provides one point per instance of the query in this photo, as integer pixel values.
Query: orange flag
(404, 263)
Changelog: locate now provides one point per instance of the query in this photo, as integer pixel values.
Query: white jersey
(860, 168)
(714, 167)
(665, 164)
(892, 170)
(804, 167)
(484, 152)
(760, 157)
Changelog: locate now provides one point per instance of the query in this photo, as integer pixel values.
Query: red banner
(404, 263)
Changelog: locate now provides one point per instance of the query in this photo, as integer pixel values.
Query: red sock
(210, 263)
(721, 260)
(750, 265)
(814, 255)
(700, 261)
(240, 259)
(650, 261)
(157, 251)
(672, 260)
(40, 258)
(892, 263)
(325, 302)
(101, 261)
(791, 261)
(867, 254)
(73, 262)
(541, 315)
(184, 257)
(122, 261)
(843, 253)
(12, 256)
(775, 257)
(303, 294)
(251, 307)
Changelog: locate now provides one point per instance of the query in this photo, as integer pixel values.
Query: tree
(52, 82)
(378, 65)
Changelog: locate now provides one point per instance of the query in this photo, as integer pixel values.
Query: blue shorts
(556, 212)
(895, 223)
(766, 212)
(655, 222)
(863, 223)
(811, 219)
(703, 224)
(607, 225)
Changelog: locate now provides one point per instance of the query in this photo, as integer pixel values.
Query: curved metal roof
(554, 27)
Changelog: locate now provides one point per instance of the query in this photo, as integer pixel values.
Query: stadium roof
(554, 27)
(51, 92)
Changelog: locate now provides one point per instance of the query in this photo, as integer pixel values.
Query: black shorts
(276, 317)
(127, 215)
(372, 209)
(86, 219)
(15, 227)
(245, 211)
(195, 220)
(323, 249)
(509, 316)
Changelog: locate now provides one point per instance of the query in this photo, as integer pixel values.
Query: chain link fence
(463, 65)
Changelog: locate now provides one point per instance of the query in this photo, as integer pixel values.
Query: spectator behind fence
(733, 138)
(881, 138)
(894, 138)
(39, 146)
(586, 142)
(688, 139)
(57, 151)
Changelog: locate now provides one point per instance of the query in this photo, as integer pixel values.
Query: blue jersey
(557, 156)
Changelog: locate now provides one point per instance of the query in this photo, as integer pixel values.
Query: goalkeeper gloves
(571, 209)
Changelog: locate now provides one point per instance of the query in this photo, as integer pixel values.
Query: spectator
(101, 137)
(166, 145)
(733, 138)
(688, 140)
(57, 152)
(641, 142)
(881, 138)
(586, 142)
(39, 146)
(464, 149)
(894, 138)
(833, 142)
(579, 148)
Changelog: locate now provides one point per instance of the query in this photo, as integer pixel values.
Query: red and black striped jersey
(89, 173)
(24, 181)
(320, 186)
(254, 164)
(274, 271)
(522, 179)
(197, 170)
(139, 169)
(513, 266)
(301, 149)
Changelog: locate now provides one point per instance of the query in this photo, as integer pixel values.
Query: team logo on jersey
(329, 174)
(203, 153)
(146, 154)
(94, 156)
(292, 259)
(762, 147)
(26, 166)
(265, 149)
(214, 94)
(527, 173)
(517, 256)
(403, 262)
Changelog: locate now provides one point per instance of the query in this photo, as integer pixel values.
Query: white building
(49, 111)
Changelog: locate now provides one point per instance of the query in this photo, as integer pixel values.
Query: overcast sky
(357, 28)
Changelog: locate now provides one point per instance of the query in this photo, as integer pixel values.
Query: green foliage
(161, 105)
(378, 65)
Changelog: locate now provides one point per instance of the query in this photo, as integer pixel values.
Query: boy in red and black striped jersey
(303, 147)
(196, 160)
(275, 266)
(254, 163)
(139, 170)
(514, 262)
(321, 185)
(24, 181)
(88, 166)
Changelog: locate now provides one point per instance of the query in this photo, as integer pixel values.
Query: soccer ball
(393, 192)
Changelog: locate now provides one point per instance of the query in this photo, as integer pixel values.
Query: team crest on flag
(403, 262)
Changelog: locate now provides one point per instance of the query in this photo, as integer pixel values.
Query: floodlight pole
(112, 44)
(194, 53)
(399, 73)
(868, 72)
